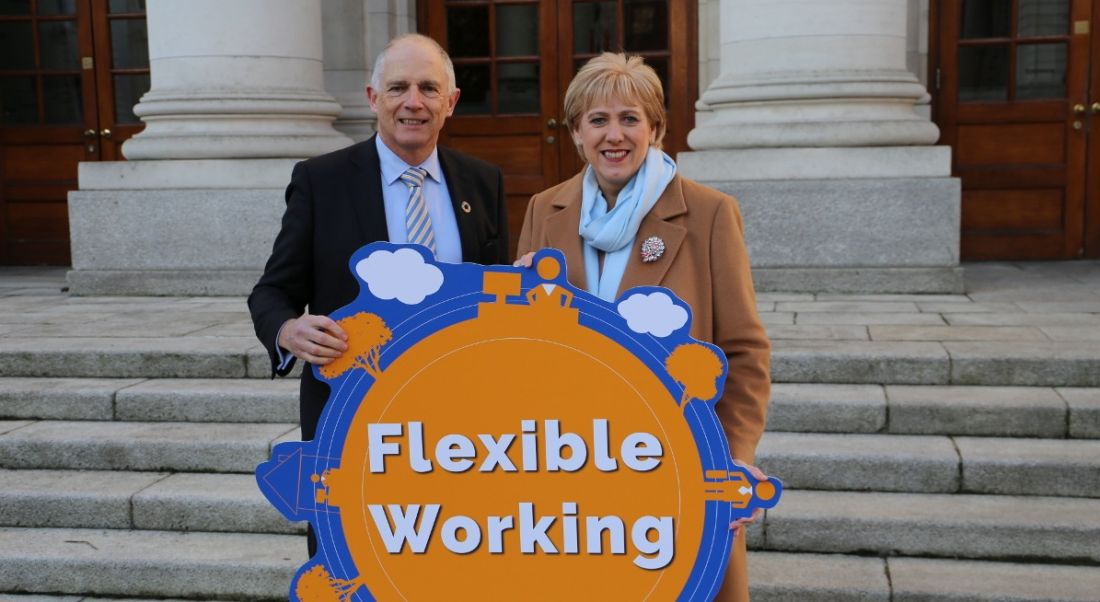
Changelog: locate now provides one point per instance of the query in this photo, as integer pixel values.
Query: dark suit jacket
(333, 207)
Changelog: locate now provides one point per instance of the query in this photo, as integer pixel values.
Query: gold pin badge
(466, 207)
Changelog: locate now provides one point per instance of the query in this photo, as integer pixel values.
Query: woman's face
(614, 138)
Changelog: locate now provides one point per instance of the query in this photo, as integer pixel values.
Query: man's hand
(315, 339)
(740, 523)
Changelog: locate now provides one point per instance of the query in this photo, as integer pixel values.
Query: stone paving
(1039, 309)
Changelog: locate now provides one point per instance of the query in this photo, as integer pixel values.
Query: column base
(849, 232)
(941, 280)
(174, 227)
(174, 283)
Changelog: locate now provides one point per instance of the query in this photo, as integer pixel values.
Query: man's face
(414, 100)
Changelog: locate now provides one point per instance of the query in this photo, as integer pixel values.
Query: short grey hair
(380, 62)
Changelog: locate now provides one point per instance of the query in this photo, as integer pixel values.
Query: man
(397, 186)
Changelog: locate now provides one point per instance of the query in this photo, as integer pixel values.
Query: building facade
(871, 143)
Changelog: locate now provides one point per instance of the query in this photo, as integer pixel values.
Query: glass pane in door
(126, 6)
(475, 83)
(16, 45)
(18, 100)
(468, 31)
(62, 99)
(517, 30)
(56, 7)
(645, 25)
(986, 19)
(517, 88)
(1043, 18)
(594, 27)
(15, 7)
(129, 44)
(129, 89)
(58, 45)
(983, 73)
(1040, 71)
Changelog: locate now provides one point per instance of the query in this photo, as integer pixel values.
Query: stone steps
(87, 565)
(784, 577)
(970, 526)
(105, 499)
(829, 461)
(1025, 363)
(1049, 412)
(153, 564)
(933, 464)
(150, 400)
(140, 446)
(930, 453)
(1043, 529)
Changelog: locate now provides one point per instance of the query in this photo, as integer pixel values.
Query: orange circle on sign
(464, 380)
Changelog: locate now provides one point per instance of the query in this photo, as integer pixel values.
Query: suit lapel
(659, 222)
(561, 230)
(365, 192)
(459, 187)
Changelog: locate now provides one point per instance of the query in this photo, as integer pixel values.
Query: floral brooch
(652, 249)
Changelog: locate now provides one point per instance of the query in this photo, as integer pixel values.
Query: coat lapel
(661, 223)
(561, 230)
(365, 192)
(459, 189)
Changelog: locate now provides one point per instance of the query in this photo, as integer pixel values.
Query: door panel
(508, 89)
(515, 59)
(1092, 167)
(57, 99)
(1012, 71)
(46, 101)
(122, 71)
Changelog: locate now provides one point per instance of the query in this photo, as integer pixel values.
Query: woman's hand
(525, 261)
(740, 523)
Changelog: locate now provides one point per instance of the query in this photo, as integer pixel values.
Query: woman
(628, 219)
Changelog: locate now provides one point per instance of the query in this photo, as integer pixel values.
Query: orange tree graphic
(367, 333)
(696, 368)
(316, 585)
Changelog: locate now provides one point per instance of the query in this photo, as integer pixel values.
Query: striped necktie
(418, 224)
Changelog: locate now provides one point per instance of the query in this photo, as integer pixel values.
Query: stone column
(237, 97)
(240, 79)
(347, 64)
(355, 32)
(811, 124)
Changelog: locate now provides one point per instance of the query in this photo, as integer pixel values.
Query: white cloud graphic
(654, 314)
(400, 274)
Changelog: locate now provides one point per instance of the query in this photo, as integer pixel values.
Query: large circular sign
(503, 436)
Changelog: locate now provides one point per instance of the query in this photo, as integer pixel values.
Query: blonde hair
(617, 76)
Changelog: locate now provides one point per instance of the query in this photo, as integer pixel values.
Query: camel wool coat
(706, 264)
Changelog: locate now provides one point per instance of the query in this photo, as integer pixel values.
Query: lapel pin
(652, 249)
(466, 207)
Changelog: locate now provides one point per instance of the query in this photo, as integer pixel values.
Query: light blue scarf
(613, 231)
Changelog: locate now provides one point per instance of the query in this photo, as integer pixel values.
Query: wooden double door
(1017, 87)
(71, 72)
(514, 59)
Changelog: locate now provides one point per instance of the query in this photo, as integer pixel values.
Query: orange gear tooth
(717, 474)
